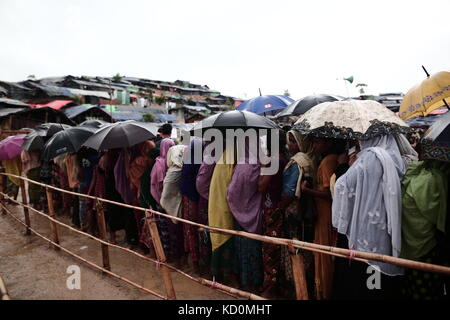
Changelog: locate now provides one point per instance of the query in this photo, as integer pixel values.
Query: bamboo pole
(51, 211)
(221, 287)
(3, 291)
(102, 229)
(25, 209)
(338, 252)
(161, 256)
(298, 271)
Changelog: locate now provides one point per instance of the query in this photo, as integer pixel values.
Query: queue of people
(369, 195)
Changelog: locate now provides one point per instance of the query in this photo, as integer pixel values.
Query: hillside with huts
(72, 100)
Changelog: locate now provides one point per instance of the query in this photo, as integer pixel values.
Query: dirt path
(32, 270)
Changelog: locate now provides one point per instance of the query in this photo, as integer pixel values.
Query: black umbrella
(36, 139)
(299, 107)
(97, 124)
(233, 120)
(66, 141)
(436, 142)
(121, 135)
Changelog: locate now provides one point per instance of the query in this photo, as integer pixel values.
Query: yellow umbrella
(427, 96)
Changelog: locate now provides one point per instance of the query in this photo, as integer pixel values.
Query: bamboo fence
(294, 246)
(3, 291)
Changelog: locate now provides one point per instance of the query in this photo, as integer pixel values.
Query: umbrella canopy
(265, 104)
(97, 124)
(11, 147)
(66, 141)
(299, 107)
(350, 119)
(426, 96)
(121, 135)
(36, 139)
(233, 120)
(436, 142)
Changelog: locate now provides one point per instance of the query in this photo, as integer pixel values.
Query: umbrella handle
(446, 104)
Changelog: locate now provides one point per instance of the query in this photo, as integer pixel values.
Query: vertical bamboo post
(3, 182)
(102, 229)
(161, 256)
(51, 211)
(25, 209)
(298, 270)
(112, 237)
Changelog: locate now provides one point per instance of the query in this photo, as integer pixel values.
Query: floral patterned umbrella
(350, 119)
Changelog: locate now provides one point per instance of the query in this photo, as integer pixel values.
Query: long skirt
(204, 246)
(176, 239)
(249, 263)
(273, 227)
(34, 191)
(163, 230)
(420, 285)
(191, 234)
(223, 260)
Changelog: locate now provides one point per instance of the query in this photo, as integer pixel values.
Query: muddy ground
(32, 270)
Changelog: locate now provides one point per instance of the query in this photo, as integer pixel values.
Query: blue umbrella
(268, 104)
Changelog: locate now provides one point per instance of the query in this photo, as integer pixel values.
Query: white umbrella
(350, 119)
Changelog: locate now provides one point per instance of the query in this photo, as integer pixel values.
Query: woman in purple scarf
(157, 175)
(245, 202)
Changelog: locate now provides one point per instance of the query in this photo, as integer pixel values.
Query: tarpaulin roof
(165, 117)
(7, 111)
(100, 94)
(72, 112)
(123, 116)
(53, 90)
(57, 104)
(12, 102)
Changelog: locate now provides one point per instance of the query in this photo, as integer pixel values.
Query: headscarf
(30, 160)
(304, 159)
(189, 172)
(406, 150)
(73, 170)
(159, 169)
(367, 201)
(140, 163)
(122, 178)
(204, 175)
(243, 197)
(170, 196)
(219, 214)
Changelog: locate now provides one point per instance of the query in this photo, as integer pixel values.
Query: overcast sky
(232, 46)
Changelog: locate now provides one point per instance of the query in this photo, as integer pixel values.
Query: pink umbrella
(11, 147)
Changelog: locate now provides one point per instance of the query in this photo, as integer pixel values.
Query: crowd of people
(371, 195)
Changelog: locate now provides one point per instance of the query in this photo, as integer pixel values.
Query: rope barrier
(157, 262)
(334, 251)
(84, 260)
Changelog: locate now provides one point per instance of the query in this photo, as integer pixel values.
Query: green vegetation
(149, 117)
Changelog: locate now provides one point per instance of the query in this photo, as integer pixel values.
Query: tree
(149, 117)
(117, 78)
(286, 93)
(77, 99)
(160, 100)
(31, 77)
(149, 93)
